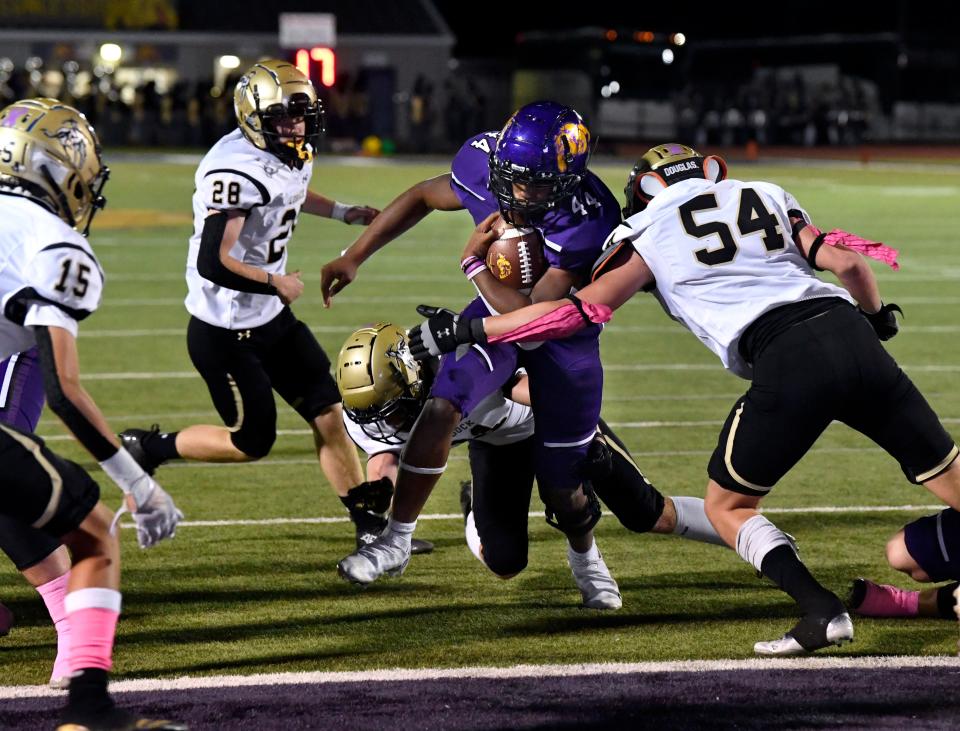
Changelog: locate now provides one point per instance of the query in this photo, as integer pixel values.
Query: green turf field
(257, 598)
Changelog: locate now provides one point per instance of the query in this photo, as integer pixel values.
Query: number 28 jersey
(235, 175)
(48, 274)
(722, 255)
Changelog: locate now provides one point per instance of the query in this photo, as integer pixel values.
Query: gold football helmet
(50, 154)
(665, 165)
(273, 90)
(379, 380)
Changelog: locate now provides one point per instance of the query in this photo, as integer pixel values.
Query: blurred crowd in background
(197, 114)
(773, 109)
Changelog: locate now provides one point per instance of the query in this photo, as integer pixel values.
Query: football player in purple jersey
(533, 173)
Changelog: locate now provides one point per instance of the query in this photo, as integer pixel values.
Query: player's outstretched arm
(404, 212)
(152, 508)
(856, 276)
(444, 331)
(319, 205)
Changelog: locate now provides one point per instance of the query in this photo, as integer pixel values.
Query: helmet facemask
(293, 149)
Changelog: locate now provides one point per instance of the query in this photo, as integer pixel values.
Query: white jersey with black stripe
(49, 274)
(235, 175)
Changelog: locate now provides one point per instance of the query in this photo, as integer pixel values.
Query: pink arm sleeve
(559, 323)
(872, 249)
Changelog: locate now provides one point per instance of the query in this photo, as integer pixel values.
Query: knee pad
(574, 522)
(370, 497)
(253, 442)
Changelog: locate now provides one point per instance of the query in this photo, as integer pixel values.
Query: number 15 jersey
(722, 255)
(236, 176)
(48, 274)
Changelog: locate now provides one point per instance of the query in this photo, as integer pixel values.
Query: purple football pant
(21, 401)
(21, 390)
(566, 387)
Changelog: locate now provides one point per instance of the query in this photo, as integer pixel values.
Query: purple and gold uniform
(573, 234)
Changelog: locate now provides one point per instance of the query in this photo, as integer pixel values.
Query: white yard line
(324, 520)
(502, 673)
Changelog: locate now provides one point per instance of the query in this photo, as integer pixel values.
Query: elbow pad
(211, 268)
(85, 432)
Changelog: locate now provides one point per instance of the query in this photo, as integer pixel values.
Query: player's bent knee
(898, 556)
(255, 445)
(505, 566)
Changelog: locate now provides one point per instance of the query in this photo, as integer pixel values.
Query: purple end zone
(882, 698)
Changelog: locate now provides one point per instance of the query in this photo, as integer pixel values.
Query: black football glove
(442, 332)
(883, 321)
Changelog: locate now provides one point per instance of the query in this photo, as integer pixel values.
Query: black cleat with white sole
(811, 633)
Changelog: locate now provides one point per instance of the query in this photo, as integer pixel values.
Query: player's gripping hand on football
(442, 332)
(289, 286)
(486, 232)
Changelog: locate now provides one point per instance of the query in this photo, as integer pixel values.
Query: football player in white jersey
(384, 391)
(734, 262)
(243, 337)
(51, 183)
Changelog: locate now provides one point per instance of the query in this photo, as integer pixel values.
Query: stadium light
(111, 52)
(229, 62)
(667, 56)
(322, 55)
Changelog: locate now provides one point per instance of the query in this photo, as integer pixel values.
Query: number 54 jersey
(722, 255)
(236, 176)
(48, 274)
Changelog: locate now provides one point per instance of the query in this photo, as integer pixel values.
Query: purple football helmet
(541, 155)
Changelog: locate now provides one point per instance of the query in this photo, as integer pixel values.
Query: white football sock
(692, 521)
(757, 537)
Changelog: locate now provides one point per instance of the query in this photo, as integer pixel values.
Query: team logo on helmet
(573, 140)
(72, 141)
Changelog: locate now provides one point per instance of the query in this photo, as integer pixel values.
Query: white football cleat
(838, 630)
(368, 563)
(597, 587)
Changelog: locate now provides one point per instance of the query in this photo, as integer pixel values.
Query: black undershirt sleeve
(211, 268)
(85, 432)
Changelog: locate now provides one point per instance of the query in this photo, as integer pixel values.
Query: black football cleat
(114, 719)
(133, 441)
(811, 633)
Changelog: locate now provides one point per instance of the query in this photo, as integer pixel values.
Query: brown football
(516, 259)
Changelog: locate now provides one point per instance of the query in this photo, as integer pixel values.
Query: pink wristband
(472, 266)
